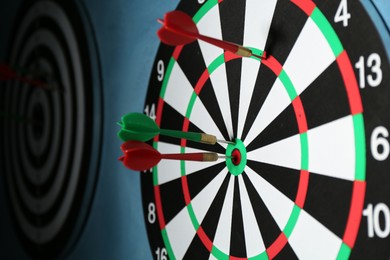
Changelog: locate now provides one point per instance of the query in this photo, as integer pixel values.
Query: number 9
(160, 70)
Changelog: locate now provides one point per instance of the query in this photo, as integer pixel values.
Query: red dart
(6, 73)
(140, 156)
(179, 28)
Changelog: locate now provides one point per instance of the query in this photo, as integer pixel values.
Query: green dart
(139, 127)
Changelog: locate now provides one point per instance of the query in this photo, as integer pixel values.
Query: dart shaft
(227, 46)
(200, 157)
(239, 50)
(196, 137)
(225, 142)
(231, 47)
(6, 73)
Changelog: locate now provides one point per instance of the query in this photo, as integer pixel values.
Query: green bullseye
(237, 157)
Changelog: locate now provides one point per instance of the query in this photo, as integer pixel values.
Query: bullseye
(237, 157)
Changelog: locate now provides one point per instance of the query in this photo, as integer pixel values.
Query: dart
(139, 127)
(140, 156)
(178, 29)
(6, 73)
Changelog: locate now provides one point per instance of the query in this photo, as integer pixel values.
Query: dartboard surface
(309, 123)
(51, 136)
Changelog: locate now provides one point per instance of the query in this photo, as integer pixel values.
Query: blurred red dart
(140, 156)
(7, 73)
(179, 28)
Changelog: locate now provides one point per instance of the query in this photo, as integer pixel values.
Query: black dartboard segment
(51, 136)
(309, 122)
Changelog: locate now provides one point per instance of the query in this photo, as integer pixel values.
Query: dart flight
(139, 127)
(140, 156)
(178, 29)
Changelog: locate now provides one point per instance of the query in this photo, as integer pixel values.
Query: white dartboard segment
(249, 73)
(284, 153)
(312, 240)
(310, 56)
(223, 233)
(257, 26)
(253, 239)
(220, 85)
(210, 25)
(332, 149)
(276, 101)
(255, 36)
(278, 204)
(180, 232)
(178, 86)
(202, 202)
(203, 120)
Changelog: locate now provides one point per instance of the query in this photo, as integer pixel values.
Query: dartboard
(309, 126)
(49, 135)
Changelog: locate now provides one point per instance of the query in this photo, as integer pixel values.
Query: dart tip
(119, 123)
(122, 158)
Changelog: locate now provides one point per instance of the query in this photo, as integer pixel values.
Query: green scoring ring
(236, 169)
